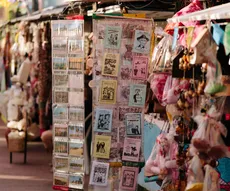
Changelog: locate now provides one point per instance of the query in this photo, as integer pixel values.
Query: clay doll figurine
(195, 175)
(164, 163)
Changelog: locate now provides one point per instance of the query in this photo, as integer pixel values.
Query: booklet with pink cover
(131, 149)
(128, 178)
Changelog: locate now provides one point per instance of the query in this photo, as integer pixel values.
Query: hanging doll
(172, 89)
(207, 137)
(211, 180)
(195, 175)
(162, 161)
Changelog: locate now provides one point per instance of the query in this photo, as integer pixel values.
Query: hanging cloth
(218, 34)
(227, 39)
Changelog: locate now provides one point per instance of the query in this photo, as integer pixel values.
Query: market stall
(188, 83)
(158, 98)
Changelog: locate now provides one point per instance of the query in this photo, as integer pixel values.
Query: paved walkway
(33, 176)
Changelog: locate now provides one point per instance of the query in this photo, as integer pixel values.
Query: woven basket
(16, 145)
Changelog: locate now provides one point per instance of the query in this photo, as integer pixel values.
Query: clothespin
(208, 24)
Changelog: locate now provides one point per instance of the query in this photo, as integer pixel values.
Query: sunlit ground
(36, 175)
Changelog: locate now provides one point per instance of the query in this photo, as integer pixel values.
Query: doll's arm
(152, 165)
(170, 164)
(155, 170)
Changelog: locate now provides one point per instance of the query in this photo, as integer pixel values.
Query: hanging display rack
(214, 13)
(122, 17)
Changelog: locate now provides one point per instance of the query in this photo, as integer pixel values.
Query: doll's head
(163, 143)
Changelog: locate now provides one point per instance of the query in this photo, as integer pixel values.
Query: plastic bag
(216, 129)
(200, 138)
(211, 180)
(209, 132)
(195, 175)
(214, 73)
(161, 61)
(214, 82)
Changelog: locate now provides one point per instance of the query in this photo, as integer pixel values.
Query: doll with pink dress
(162, 161)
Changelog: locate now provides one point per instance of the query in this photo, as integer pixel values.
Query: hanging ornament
(184, 61)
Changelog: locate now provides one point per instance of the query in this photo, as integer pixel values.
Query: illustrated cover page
(102, 145)
(133, 124)
(137, 95)
(99, 174)
(140, 67)
(128, 178)
(110, 64)
(108, 92)
(103, 121)
(112, 38)
(131, 150)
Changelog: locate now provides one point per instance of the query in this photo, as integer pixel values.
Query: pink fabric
(172, 90)
(157, 85)
(162, 161)
(194, 6)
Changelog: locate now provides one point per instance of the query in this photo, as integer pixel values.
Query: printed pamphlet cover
(108, 92)
(110, 64)
(140, 67)
(142, 42)
(131, 150)
(112, 38)
(102, 145)
(61, 145)
(133, 124)
(60, 130)
(76, 131)
(137, 95)
(103, 121)
(128, 178)
(99, 174)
